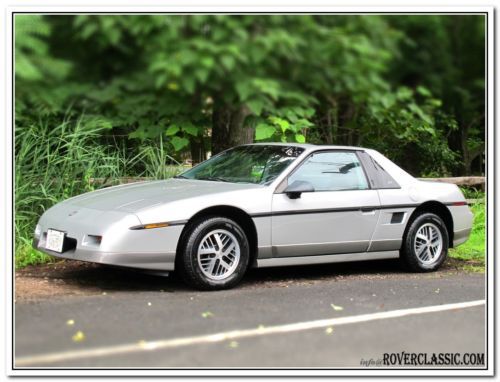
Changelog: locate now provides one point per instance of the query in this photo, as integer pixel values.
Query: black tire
(187, 259)
(409, 256)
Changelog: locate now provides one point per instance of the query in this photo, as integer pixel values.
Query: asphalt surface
(164, 309)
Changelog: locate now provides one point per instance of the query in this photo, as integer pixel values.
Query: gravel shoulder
(75, 278)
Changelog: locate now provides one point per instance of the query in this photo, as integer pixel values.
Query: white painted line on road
(234, 334)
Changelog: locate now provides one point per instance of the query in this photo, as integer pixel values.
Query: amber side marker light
(95, 239)
(150, 226)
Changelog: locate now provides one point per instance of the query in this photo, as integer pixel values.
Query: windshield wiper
(180, 177)
(214, 178)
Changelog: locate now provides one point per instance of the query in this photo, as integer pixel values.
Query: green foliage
(404, 124)
(153, 160)
(472, 193)
(376, 81)
(446, 55)
(474, 248)
(284, 129)
(33, 61)
(38, 73)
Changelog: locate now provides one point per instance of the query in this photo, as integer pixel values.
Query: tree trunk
(335, 122)
(456, 143)
(465, 151)
(198, 153)
(329, 132)
(331, 117)
(228, 127)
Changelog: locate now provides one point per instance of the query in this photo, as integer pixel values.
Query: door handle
(367, 210)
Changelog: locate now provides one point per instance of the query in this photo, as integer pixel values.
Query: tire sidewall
(190, 253)
(412, 257)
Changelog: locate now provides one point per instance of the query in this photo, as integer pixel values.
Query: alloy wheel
(428, 243)
(218, 254)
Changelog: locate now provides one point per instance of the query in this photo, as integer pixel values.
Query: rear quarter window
(379, 178)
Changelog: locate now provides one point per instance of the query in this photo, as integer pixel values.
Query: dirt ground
(75, 278)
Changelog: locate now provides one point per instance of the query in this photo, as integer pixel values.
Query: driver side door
(339, 217)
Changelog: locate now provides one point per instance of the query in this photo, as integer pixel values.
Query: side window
(386, 181)
(379, 178)
(332, 171)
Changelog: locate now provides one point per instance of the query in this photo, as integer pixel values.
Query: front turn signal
(150, 226)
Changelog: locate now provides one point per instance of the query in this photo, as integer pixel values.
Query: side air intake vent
(397, 217)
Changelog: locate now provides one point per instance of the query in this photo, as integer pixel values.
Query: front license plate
(55, 240)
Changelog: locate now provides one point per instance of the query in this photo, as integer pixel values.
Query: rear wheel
(215, 254)
(425, 244)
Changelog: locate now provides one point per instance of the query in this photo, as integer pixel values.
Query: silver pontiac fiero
(263, 205)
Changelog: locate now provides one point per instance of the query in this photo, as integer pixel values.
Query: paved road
(163, 309)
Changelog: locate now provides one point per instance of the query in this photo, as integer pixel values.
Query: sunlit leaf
(264, 131)
(422, 90)
(179, 143)
(282, 123)
(300, 138)
(172, 130)
(190, 129)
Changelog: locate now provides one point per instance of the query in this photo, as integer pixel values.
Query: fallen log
(124, 180)
(467, 181)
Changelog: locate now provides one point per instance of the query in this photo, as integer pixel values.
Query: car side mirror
(294, 190)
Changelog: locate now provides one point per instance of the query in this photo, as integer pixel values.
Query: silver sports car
(263, 205)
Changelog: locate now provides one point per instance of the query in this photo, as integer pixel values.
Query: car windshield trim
(248, 164)
(213, 178)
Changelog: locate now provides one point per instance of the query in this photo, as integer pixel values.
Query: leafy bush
(215, 81)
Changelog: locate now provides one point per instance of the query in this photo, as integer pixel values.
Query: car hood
(137, 196)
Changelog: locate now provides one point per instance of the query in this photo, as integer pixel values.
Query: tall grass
(154, 160)
(53, 163)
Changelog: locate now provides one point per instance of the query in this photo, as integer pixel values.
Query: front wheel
(215, 254)
(425, 245)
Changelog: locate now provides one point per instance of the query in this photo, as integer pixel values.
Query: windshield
(246, 164)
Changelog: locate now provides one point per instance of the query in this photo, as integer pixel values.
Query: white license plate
(55, 240)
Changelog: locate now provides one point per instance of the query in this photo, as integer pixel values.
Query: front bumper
(156, 261)
(145, 249)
